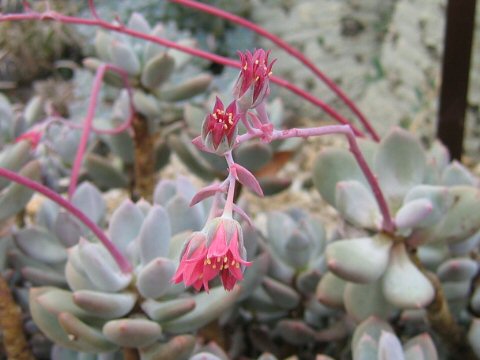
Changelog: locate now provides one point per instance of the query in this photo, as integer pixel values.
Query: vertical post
(455, 71)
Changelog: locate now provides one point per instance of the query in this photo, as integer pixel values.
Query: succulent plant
(433, 206)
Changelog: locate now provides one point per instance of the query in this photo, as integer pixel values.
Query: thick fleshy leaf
(105, 305)
(246, 178)
(296, 332)
(359, 260)
(123, 56)
(43, 277)
(457, 269)
(157, 70)
(155, 233)
(181, 57)
(67, 229)
(373, 327)
(104, 173)
(272, 185)
(154, 280)
(40, 245)
(85, 337)
(365, 300)
(138, 23)
(254, 274)
(357, 204)
(413, 214)
(456, 174)
(331, 167)
(330, 290)
(423, 342)
(102, 42)
(187, 89)
(178, 348)
(15, 196)
(254, 155)
(100, 267)
(282, 295)
(125, 225)
(403, 284)
(280, 227)
(474, 336)
(366, 349)
(90, 201)
(166, 310)
(389, 347)
(132, 333)
(400, 164)
(13, 157)
(182, 216)
(209, 306)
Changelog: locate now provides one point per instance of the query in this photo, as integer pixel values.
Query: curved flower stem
(87, 126)
(11, 326)
(52, 15)
(289, 49)
(388, 224)
(122, 262)
(228, 209)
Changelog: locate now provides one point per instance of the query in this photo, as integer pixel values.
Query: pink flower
(219, 128)
(253, 82)
(217, 250)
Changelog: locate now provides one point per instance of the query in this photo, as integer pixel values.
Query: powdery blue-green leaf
(67, 229)
(330, 290)
(157, 70)
(146, 104)
(101, 268)
(182, 216)
(282, 295)
(138, 23)
(403, 284)
(456, 174)
(296, 332)
(181, 57)
(438, 196)
(104, 173)
(389, 347)
(423, 342)
(474, 336)
(357, 204)
(413, 214)
(254, 155)
(209, 306)
(123, 56)
(400, 164)
(152, 49)
(40, 245)
(366, 349)
(185, 90)
(155, 233)
(331, 167)
(166, 310)
(360, 260)
(15, 196)
(102, 43)
(105, 305)
(13, 157)
(132, 333)
(371, 327)
(125, 225)
(90, 201)
(154, 279)
(43, 277)
(365, 300)
(86, 337)
(280, 228)
(457, 269)
(177, 348)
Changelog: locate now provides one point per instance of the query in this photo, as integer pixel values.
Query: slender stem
(122, 262)
(227, 210)
(289, 49)
(144, 164)
(388, 224)
(87, 125)
(11, 326)
(52, 15)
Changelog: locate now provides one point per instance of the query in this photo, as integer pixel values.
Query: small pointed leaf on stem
(246, 178)
(208, 191)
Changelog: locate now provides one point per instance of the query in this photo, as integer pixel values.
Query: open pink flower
(253, 82)
(217, 250)
(219, 128)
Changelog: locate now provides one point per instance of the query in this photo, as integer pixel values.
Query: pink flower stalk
(252, 85)
(219, 128)
(217, 250)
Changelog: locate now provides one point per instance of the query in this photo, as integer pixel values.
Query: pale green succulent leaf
(41, 245)
(389, 347)
(154, 279)
(423, 342)
(282, 295)
(166, 310)
(157, 70)
(105, 305)
(124, 57)
(365, 300)
(330, 290)
(177, 348)
(360, 260)
(132, 333)
(186, 90)
(404, 285)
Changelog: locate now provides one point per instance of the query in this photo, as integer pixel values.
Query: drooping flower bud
(219, 129)
(217, 250)
(252, 85)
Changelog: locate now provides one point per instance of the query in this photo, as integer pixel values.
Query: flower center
(221, 262)
(224, 118)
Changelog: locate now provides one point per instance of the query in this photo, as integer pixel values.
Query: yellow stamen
(225, 259)
(237, 265)
(214, 266)
(257, 78)
(270, 73)
(209, 261)
(233, 262)
(226, 267)
(218, 259)
(256, 62)
(245, 67)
